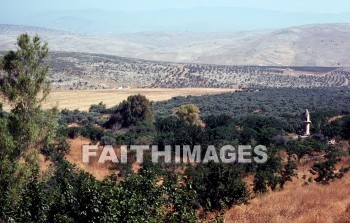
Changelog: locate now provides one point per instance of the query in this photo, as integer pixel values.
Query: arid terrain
(309, 45)
(82, 99)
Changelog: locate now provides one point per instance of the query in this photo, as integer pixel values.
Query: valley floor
(82, 99)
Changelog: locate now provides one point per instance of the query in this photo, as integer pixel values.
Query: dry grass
(82, 99)
(298, 203)
(100, 171)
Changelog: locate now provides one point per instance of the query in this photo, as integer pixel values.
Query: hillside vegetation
(287, 104)
(94, 71)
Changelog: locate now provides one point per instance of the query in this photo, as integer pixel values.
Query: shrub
(217, 185)
(108, 140)
(326, 170)
(98, 108)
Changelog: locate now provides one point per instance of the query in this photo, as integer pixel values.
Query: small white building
(332, 142)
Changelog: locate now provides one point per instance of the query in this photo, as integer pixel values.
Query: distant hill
(205, 19)
(308, 45)
(69, 70)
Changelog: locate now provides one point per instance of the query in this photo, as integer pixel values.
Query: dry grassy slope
(298, 203)
(312, 45)
(307, 204)
(100, 171)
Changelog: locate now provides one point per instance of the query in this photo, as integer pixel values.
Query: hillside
(97, 71)
(298, 202)
(308, 45)
(196, 19)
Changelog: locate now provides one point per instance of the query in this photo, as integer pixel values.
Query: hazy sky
(25, 7)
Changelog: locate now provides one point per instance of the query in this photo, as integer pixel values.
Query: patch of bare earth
(332, 119)
(98, 170)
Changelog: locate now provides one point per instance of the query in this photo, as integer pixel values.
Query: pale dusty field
(82, 99)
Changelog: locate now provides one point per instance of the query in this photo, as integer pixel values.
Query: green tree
(179, 199)
(137, 108)
(274, 173)
(217, 185)
(137, 199)
(189, 113)
(24, 85)
(346, 128)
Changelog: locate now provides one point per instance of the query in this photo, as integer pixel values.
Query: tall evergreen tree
(24, 85)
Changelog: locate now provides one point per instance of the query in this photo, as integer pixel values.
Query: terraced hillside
(98, 71)
(88, 71)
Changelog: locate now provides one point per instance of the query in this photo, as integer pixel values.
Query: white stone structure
(307, 123)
